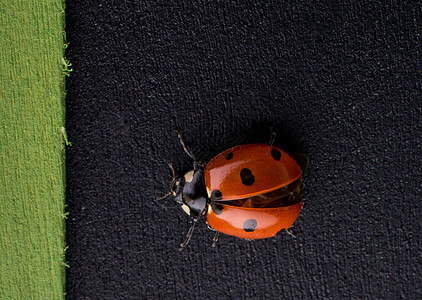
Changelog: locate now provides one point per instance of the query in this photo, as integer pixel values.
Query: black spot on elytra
(250, 225)
(276, 154)
(216, 194)
(217, 208)
(229, 156)
(247, 177)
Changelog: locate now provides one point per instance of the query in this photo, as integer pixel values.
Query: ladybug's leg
(215, 238)
(273, 135)
(185, 147)
(189, 234)
(290, 231)
(196, 164)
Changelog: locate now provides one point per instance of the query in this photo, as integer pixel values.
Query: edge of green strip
(32, 150)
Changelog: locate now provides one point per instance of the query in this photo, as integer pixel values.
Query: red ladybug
(250, 191)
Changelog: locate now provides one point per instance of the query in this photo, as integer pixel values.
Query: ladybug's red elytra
(249, 191)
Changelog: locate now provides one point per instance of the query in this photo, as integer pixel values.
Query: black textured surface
(340, 82)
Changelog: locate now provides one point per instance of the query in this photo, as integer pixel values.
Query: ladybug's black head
(189, 191)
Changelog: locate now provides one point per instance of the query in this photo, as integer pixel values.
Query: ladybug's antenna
(169, 193)
(189, 234)
(165, 196)
(172, 170)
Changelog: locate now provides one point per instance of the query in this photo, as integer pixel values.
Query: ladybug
(249, 191)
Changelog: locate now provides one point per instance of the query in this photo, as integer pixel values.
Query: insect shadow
(233, 134)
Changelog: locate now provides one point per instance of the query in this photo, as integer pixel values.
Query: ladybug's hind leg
(215, 238)
(273, 135)
(290, 231)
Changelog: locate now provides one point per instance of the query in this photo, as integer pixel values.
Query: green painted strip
(32, 187)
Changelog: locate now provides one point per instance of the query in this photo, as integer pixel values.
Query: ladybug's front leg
(185, 147)
(196, 164)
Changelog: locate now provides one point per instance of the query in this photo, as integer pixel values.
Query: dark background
(340, 82)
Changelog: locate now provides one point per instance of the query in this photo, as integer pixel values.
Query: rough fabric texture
(339, 81)
(31, 150)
